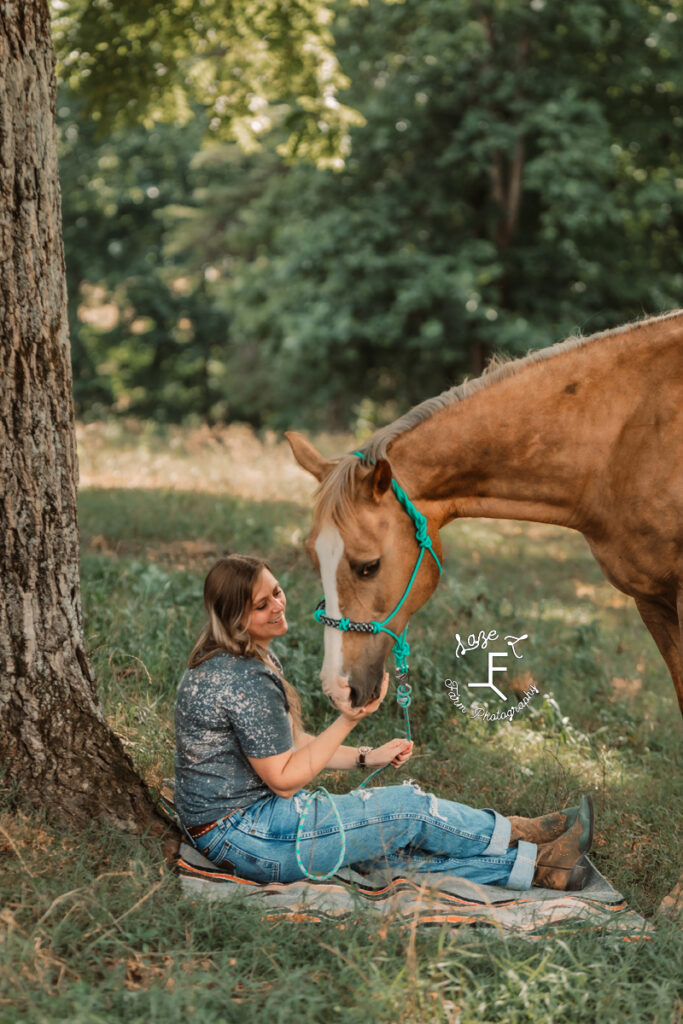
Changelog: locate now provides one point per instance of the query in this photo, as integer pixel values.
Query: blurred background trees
(323, 230)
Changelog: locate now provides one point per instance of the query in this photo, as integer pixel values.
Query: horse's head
(364, 545)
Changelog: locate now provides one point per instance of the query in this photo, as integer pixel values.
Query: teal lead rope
(400, 650)
(297, 846)
(402, 699)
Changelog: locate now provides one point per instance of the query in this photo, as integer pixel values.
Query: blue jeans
(399, 827)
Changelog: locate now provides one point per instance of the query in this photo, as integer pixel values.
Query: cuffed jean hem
(522, 874)
(500, 837)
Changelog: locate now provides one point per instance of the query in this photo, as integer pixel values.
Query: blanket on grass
(424, 898)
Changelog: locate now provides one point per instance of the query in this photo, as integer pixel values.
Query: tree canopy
(511, 177)
(250, 65)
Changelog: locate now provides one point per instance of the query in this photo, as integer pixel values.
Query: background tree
(516, 180)
(145, 335)
(249, 66)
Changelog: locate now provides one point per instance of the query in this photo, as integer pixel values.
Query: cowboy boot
(561, 864)
(547, 827)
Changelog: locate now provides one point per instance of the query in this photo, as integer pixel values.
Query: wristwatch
(362, 754)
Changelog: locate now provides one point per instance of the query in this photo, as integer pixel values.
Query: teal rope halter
(400, 650)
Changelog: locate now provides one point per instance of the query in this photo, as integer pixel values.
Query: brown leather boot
(547, 827)
(561, 864)
(544, 829)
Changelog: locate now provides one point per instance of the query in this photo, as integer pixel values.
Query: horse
(585, 434)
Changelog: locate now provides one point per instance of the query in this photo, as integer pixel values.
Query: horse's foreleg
(666, 626)
(662, 620)
(679, 685)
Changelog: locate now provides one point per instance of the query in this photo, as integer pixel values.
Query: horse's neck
(536, 444)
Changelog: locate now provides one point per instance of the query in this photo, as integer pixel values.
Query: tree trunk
(56, 749)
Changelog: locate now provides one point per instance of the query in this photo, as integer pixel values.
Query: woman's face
(268, 603)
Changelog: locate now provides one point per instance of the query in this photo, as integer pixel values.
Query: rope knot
(421, 535)
(401, 653)
(344, 624)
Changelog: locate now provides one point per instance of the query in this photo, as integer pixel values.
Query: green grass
(118, 943)
(95, 929)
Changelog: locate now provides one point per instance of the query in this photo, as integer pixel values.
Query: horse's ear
(308, 456)
(381, 479)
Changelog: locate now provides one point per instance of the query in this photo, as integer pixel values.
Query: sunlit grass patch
(223, 460)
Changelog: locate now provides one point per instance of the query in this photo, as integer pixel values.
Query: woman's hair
(228, 589)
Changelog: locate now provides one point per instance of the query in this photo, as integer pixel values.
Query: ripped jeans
(398, 827)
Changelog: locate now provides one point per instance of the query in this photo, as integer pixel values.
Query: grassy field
(94, 929)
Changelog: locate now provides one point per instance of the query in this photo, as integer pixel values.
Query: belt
(200, 830)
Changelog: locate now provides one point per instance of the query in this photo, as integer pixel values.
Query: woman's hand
(355, 714)
(395, 752)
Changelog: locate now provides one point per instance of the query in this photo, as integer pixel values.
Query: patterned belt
(200, 830)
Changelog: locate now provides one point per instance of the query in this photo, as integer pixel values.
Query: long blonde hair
(228, 589)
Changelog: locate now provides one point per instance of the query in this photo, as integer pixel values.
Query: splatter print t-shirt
(227, 708)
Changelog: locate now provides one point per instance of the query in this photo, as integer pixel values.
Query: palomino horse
(586, 434)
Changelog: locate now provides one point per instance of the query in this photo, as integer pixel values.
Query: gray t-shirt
(227, 708)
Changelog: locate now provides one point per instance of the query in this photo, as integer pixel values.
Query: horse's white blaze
(329, 547)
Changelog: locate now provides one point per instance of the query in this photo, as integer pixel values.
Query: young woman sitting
(243, 763)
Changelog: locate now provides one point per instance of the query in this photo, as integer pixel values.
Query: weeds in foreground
(95, 929)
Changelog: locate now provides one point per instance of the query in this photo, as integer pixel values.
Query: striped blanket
(425, 899)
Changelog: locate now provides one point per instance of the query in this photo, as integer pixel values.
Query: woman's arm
(286, 773)
(396, 752)
(343, 757)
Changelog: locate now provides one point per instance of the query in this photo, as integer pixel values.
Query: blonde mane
(336, 495)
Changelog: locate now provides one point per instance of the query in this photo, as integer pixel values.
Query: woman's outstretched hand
(395, 752)
(355, 714)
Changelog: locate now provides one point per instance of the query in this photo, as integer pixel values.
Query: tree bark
(56, 749)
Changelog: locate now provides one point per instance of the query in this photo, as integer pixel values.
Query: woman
(243, 760)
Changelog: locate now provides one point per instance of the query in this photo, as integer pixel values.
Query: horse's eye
(368, 569)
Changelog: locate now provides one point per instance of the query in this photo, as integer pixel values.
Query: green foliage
(249, 65)
(161, 355)
(489, 202)
(516, 180)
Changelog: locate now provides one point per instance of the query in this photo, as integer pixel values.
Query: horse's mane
(338, 490)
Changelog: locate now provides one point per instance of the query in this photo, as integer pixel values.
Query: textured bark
(56, 749)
